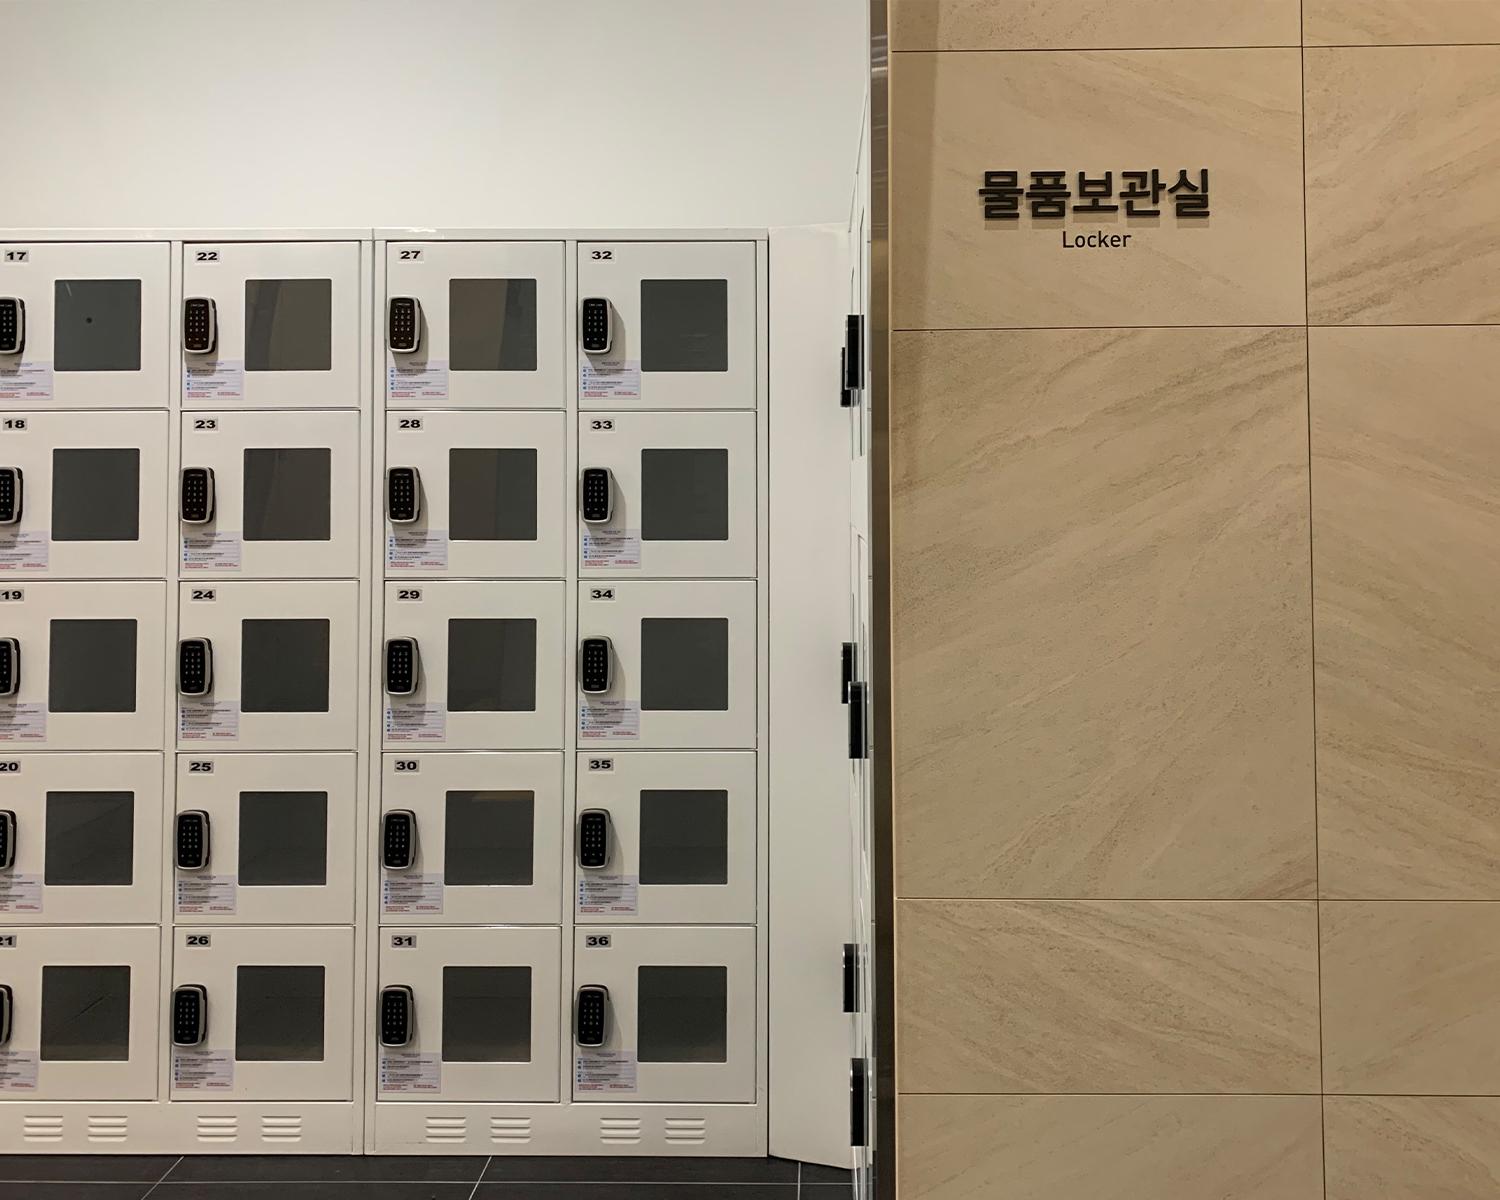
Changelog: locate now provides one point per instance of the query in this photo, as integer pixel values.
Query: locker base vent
(686, 1131)
(114, 1129)
(281, 1130)
(447, 1131)
(620, 1131)
(42, 1128)
(217, 1129)
(510, 1131)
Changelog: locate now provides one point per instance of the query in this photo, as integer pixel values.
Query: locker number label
(602, 593)
(403, 941)
(10, 767)
(15, 423)
(206, 424)
(408, 593)
(199, 939)
(12, 593)
(602, 255)
(409, 423)
(601, 764)
(597, 941)
(409, 255)
(603, 425)
(406, 766)
(204, 594)
(7, 941)
(201, 766)
(17, 255)
(205, 256)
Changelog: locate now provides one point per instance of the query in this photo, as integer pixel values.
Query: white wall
(432, 112)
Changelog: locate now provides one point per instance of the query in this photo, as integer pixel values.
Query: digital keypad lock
(404, 325)
(189, 1015)
(197, 501)
(403, 495)
(7, 1010)
(595, 673)
(593, 838)
(591, 1015)
(7, 839)
(10, 666)
(398, 1011)
(398, 839)
(195, 666)
(10, 495)
(200, 325)
(596, 321)
(598, 495)
(192, 840)
(401, 666)
(12, 325)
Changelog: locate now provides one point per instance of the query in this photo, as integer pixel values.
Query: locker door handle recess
(10, 666)
(7, 1000)
(12, 325)
(10, 495)
(197, 495)
(595, 322)
(398, 1010)
(597, 495)
(192, 840)
(595, 662)
(593, 838)
(200, 325)
(402, 666)
(7, 840)
(404, 325)
(398, 839)
(189, 1015)
(403, 495)
(591, 1018)
(195, 666)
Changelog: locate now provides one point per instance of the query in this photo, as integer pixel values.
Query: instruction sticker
(602, 379)
(196, 1069)
(421, 379)
(23, 722)
(208, 894)
(608, 895)
(213, 379)
(417, 550)
(411, 892)
(604, 547)
(416, 722)
(26, 381)
(409, 1071)
(18, 1070)
(609, 720)
(20, 893)
(208, 720)
(212, 551)
(604, 1071)
(27, 551)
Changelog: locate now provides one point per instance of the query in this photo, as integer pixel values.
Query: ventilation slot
(510, 1131)
(687, 1131)
(113, 1128)
(448, 1131)
(620, 1131)
(282, 1129)
(42, 1129)
(218, 1129)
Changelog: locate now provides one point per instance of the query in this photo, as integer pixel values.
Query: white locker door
(683, 325)
(91, 666)
(96, 319)
(492, 320)
(288, 317)
(492, 503)
(490, 669)
(679, 1016)
(83, 1013)
(682, 489)
(683, 665)
(680, 838)
(482, 1018)
(286, 495)
(280, 1013)
(87, 838)
(487, 842)
(93, 504)
(285, 665)
(281, 839)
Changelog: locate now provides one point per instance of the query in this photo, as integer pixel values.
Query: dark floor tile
(74, 1190)
(660, 1190)
(121, 1168)
(583, 1169)
(818, 1173)
(329, 1168)
(209, 1189)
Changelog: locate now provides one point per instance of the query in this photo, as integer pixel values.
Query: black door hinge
(852, 361)
(851, 977)
(858, 1101)
(858, 742)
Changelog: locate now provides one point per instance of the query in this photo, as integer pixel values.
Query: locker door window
(90, 839)
(492, 324)
(283, 839)
(96, 325)
(492, 494)
(684, 325)
(288, 324)
(278, 1014)
(487, 1014)
(85, 1013)
(288, 494)
(488, 838)
(96, 495)
(684, 836)
(685, 495)
(284, 665)
(685, 664)
(92, 666)
(491, 664)
(682, 1014)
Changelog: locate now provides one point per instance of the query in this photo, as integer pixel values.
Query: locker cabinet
(471, 838)
(90, 665)
(681, 664)
(679, 838)
(487, 665)
(287, 325)
(85, 832)
(83, 1013)
(489, 494)
(681, 324)
(266, 838)
(285, 494)
(282, 670)
(489, 322)
(677, 1013)
(89, 500)
(272, 1011)
(681, 493)
(468, 1014)
(94, 318)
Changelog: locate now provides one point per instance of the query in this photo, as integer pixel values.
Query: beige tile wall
(1196, 558)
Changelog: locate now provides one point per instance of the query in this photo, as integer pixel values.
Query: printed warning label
(602, 379)
(611, 548)
(212, 551)
(18, 1070)
(411, 892)
(197, 1069)
(604, 1071)
(20, 893)
(417, 379)
(408, 1071)
(417, 550)
(609, 720)
(608, 895)
(23, 722)
(416, 722)
(208, 720)
(25, 381)
(213, 379)
(27, 551)
(203, 894)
